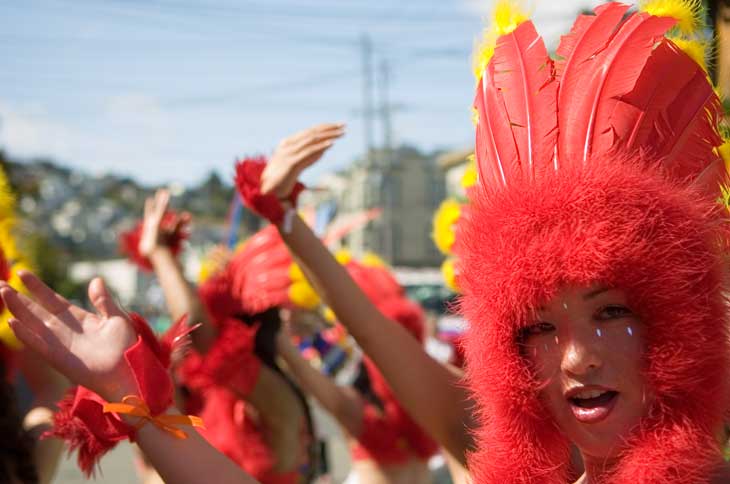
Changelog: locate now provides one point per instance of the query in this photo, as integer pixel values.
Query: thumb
(102, 300)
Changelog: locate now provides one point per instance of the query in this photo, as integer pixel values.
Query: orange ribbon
(135, 406)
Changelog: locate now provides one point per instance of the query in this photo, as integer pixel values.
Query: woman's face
(585, 348)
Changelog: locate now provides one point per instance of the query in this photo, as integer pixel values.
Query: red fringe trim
(248, 184)
(129, 241)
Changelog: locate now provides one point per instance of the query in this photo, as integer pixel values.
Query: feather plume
(516, 103)
(506, 17)
(602, 66)
(687, 13)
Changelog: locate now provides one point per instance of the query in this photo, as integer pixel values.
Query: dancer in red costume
(253, 414)
(386, 445)
(432, 394)
(592, 257)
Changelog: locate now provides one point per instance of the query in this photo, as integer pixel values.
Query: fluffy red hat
(604, 169)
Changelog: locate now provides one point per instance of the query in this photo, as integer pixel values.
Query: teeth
(589, 394)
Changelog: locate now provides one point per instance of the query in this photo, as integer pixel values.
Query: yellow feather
(695, 48)
(301, 294)
(448, 272)
(7, 199)
(370, 259)
(343, 256)
(724, 151)
(470, 176)
(688, 13)
(444, 225)
(474, 116)
(506, 17)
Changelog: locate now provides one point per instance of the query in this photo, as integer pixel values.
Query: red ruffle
(230, 362)
(129, 241)
(81, 421)
(248, 183)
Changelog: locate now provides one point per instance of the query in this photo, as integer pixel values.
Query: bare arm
(180, 296)
(272, 396)
(432, 395)
(342, 403)
(88, 348)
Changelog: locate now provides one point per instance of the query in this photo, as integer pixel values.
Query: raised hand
(87, 348)
(294, 154)
(159, 225)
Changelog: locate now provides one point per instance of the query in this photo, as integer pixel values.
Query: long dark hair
(265, 350)
(16, 446)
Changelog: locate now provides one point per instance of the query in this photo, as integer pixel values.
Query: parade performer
(432, 394)
(386, 446)
(252, 412)
(590, 254)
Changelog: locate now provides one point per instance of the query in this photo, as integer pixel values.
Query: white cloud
(130, 136)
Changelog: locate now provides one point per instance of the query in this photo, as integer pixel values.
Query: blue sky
(167, 90)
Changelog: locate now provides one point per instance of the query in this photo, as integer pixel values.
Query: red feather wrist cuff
(81, 419)
(248, 184)
(129, 240)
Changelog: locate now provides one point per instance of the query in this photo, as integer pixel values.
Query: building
(408, 185)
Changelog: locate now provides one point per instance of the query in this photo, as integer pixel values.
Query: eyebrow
(595, 293)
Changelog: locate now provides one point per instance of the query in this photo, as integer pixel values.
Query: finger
(102, 300)
(313, 153)
(28, 335)
(53, 302)
(162, 201)
(296, 138)
(317, 137)
(149, 205)
(25, 309)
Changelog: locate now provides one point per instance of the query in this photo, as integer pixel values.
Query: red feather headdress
(602, 166)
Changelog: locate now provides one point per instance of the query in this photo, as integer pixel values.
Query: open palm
(87, 348)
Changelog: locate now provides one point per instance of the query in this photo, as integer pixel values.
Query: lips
(591, 404)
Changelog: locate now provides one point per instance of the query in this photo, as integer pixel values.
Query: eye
(538, 328)
(613, 311)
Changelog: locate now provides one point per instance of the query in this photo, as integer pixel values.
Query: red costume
(602, 167)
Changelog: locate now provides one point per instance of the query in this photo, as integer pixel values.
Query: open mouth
(592, 406)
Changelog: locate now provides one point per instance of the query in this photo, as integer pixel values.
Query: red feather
(522, 72)
(516, 101)
(496, 151)
(676, 119)
(602, 67)
(129, 241)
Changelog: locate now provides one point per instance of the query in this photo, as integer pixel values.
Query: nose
(580, 355)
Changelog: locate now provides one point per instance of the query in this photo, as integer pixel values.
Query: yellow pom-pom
(449, 274)
(444, 225)
(302, 295)
(688, 13)
(506, 17)
(343, 256)
(329, 315)
(370, 259)
(295, 273)
(470, 176)
(695, 48)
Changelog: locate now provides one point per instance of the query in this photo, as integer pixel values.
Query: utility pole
(388, 183)
(366, 52)
(385, 109)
